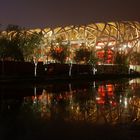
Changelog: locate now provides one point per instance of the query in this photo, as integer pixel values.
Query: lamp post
(35, 68)
(70, 58)
(70, 68)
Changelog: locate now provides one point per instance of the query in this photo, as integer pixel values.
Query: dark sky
(44, 13)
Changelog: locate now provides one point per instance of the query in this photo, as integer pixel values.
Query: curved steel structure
(117, 35)
(121, 36)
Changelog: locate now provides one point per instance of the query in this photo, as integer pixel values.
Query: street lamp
(35, 68)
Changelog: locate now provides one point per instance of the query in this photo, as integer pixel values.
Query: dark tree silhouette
(18, 43)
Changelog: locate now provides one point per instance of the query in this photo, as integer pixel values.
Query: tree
(19, 44)
(82, 55)
(93, 59)
(121, 59)
(59, 53)
(9, 50)
(30, 43)
(135, 58)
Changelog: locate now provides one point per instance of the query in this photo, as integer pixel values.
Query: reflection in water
(99, 102)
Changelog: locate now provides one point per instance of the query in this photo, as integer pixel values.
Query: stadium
(103, 39)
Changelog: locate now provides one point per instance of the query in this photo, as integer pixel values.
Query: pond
(71, 110)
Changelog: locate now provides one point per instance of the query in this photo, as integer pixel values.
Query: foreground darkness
(81, 110)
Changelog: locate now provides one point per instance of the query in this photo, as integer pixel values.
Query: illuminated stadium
(113, 37)
(102, 40)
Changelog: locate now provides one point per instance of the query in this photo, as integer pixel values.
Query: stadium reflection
(98, 102)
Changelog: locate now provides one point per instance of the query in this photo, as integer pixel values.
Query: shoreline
(64, 78)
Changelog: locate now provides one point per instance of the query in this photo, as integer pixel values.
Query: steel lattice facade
(121, 36)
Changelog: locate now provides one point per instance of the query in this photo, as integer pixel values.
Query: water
(81, 109)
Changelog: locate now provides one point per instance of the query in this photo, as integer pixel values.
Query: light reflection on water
(112, 102)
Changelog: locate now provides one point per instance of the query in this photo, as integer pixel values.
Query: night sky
(52, 13)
